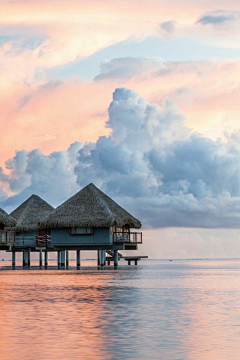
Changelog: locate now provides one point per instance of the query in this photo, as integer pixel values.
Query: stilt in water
(13, 258)
(25, 257)
(67, 257)
(40, 258)
(99, 257)
(78, 258)
(46, 258)
(115, 257)
(59, 258)
(29, 257)
(103, 257)
(63, 258)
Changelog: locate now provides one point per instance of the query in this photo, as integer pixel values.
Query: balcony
(127, 238)
(43, 240)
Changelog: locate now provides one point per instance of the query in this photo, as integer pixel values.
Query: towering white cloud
(151, 164)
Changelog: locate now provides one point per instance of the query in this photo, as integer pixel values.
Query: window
(80, 231)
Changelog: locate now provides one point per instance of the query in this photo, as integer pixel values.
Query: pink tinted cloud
(76, 29)
(54, 115)
(207, 91)
(51, 117)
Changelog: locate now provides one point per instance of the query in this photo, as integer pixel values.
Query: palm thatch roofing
(5, 219)
(90, 207)
(30, 213)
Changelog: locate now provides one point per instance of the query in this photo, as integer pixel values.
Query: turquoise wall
(100, 236)
(26, 238)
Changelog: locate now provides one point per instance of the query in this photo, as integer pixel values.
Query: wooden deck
(129, 259)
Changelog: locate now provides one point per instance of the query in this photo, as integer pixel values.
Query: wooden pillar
(103, 257)
(63, 258)
(59, 258)
(29, 257)
(78, 258)
(25, 257)
(40, 257)
(13, 258)
(99, 257)
(136, 262)
(115, 257)
(46, 258)
(67, 257)
(129, 262)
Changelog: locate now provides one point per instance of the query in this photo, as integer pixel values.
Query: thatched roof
(5, 219)
(30, 213)
(90, 207)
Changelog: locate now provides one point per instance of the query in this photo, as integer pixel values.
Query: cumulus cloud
(50, 176)
(152, 164)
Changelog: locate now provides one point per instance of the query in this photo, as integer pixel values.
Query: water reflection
(155, 311)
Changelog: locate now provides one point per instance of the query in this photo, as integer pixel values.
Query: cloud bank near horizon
(151, 163)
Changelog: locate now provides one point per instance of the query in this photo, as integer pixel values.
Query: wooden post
(129, 262)
(13, 258)
(23, 260)
(67, 257)
(136, 262)
(40, 257)
(78, 258)
(29, 257)
(59, 258)
(46, 258)
(103, 257)
(25, 257)
(115, 257)
(99, 257)
(63, 258)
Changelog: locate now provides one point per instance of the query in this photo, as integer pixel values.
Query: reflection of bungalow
(27, 216)
(90, 220)
(6, 221)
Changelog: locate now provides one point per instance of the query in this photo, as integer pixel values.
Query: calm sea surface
(157, 310)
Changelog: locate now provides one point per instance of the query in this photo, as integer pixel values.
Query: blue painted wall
(26, 238)
(100, 236)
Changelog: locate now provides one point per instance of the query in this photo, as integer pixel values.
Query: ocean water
(158, 310)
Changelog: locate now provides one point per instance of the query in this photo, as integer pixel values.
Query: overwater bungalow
(6, 221)
(27, 216)
(91, 220)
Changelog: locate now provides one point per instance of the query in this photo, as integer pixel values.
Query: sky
(139, 97)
